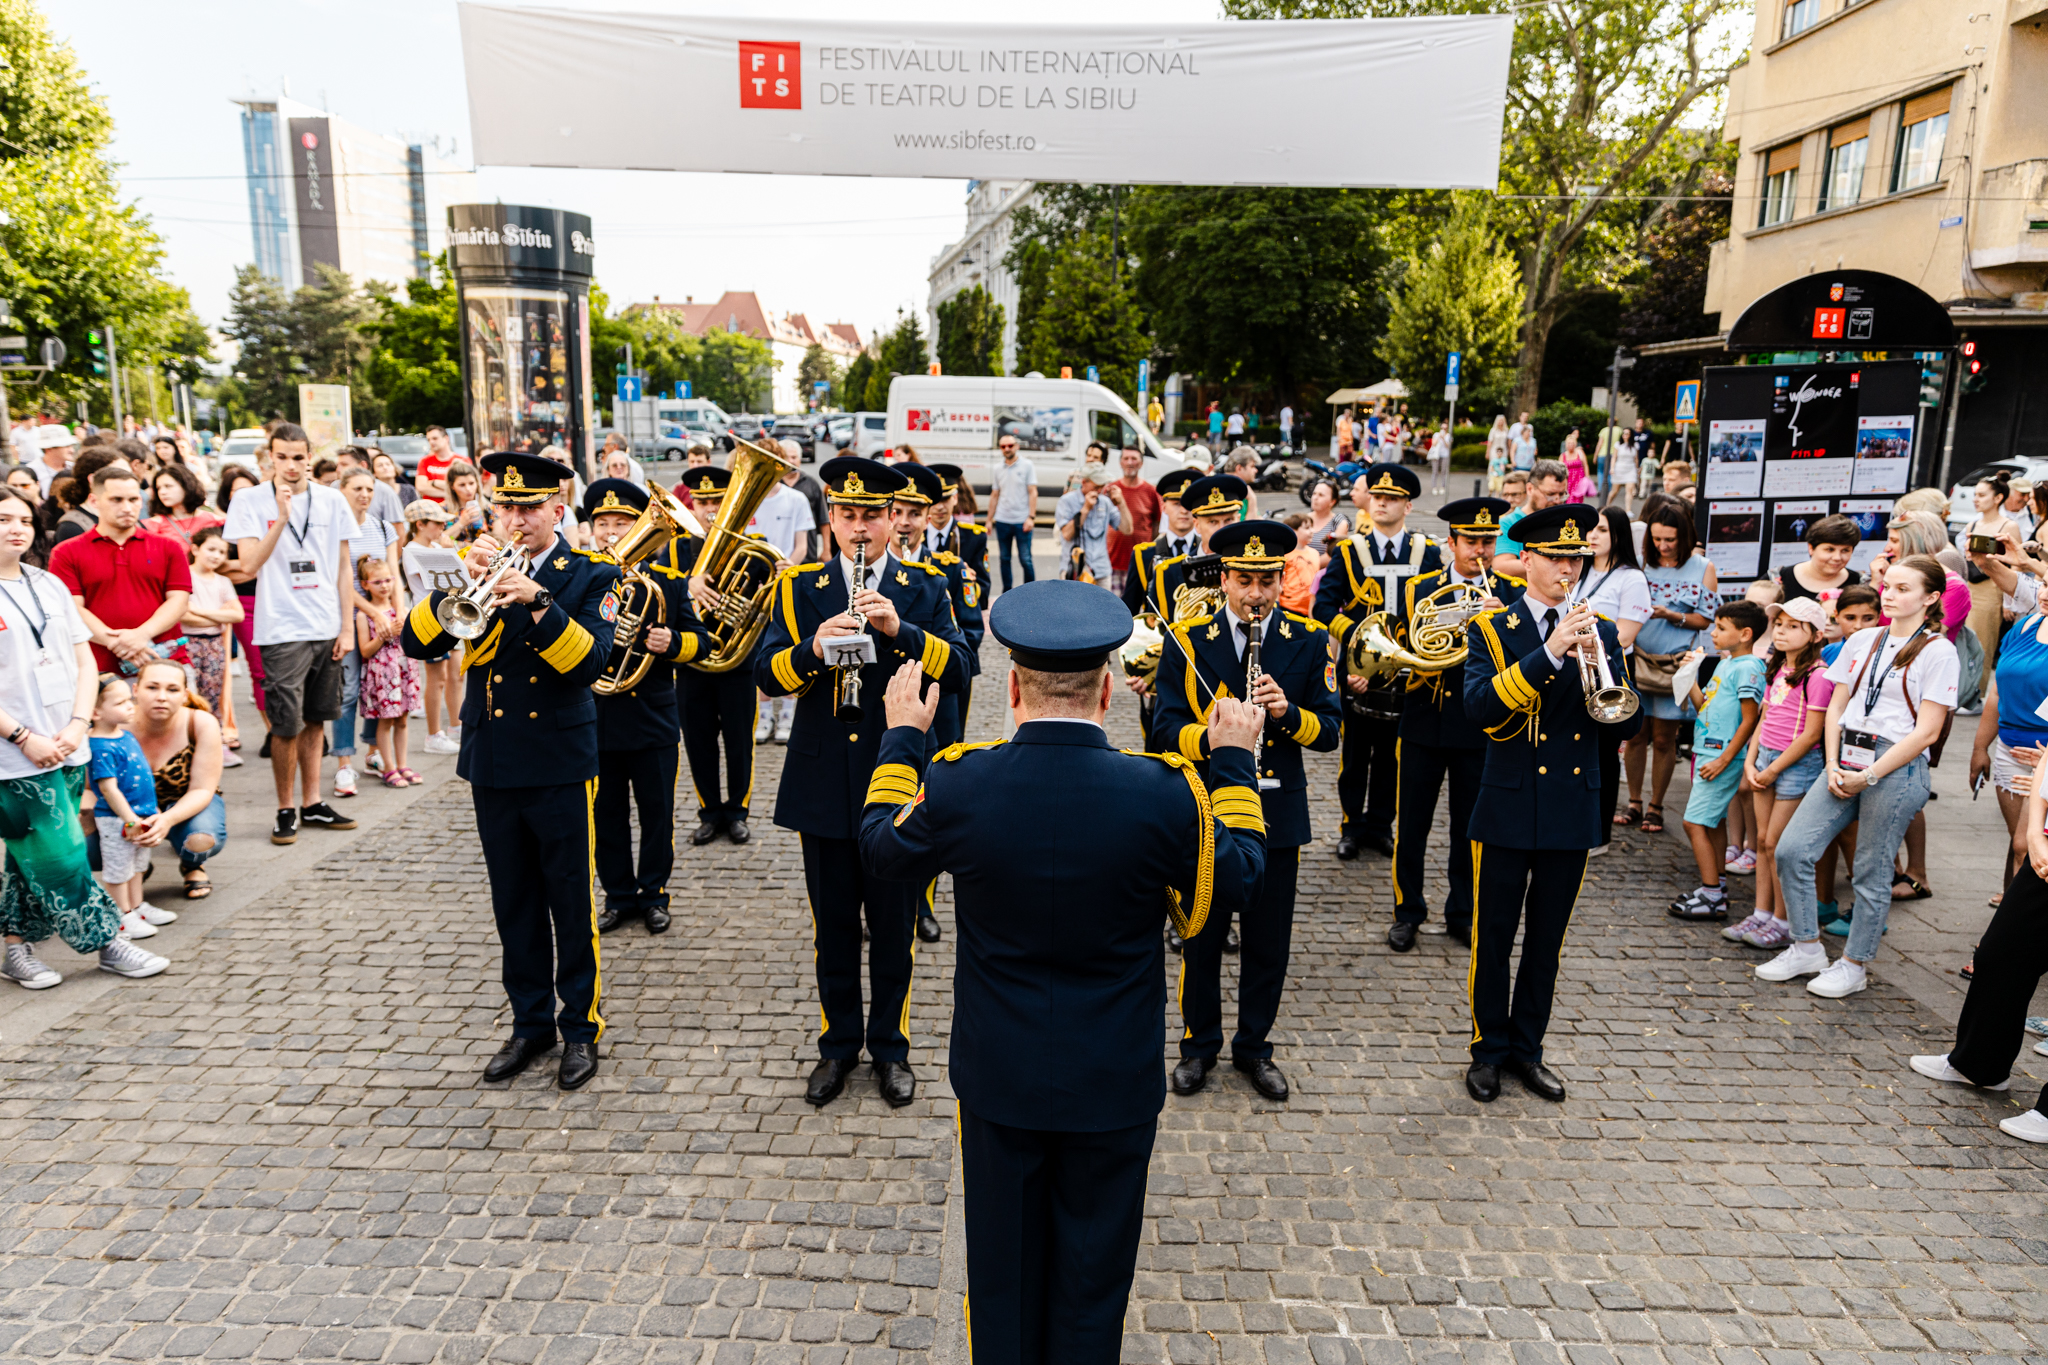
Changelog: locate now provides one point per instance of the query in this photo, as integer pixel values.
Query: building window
(1800, 16)
(1848, 153)
(1923, 131)
(1781, 185)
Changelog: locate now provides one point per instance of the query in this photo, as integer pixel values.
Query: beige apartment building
(1909, 137)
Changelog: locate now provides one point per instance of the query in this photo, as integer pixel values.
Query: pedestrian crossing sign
(1688, 407)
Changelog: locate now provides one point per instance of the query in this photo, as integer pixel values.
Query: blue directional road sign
(1688, 408)
(629, 388)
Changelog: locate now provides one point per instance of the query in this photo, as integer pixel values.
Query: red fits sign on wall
(1828, 322)
(771, 75)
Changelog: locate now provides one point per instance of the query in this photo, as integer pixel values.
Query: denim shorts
(1793, 782)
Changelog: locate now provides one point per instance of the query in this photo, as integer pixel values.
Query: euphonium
(1140, 654)
(464, 614)
(739, 568)
(641, 604)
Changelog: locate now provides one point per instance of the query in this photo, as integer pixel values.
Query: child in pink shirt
(1785, 754)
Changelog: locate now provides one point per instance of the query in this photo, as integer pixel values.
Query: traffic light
(98, 345)
(1974, 375)
(1932, 379)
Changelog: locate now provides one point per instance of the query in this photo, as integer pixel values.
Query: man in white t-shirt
(293, 537)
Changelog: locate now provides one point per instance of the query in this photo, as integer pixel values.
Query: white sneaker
(2031, 1126)
(135, 926)
(1938, 1069)
(123, 958)
(1844, 978)
(2042, 1047)
(230, 759)
(344, 781)
(375, 762)
(765, 726)
(1801, 959)
(26, 970)
(782, 724)
(439, 743)
(155, 916)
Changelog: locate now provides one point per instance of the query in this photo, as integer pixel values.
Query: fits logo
(1828, 323)
(771, 76)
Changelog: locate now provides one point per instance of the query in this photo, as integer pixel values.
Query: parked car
(960, 418)
(1962, 494)
(242, 445)
(407, 450)
(749, 426)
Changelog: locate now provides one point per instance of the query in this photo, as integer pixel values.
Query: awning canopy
(1386, 388)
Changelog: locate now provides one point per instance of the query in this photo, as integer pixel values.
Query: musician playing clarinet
(1252, 650)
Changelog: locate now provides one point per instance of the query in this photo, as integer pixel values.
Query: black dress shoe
(579, 1064)
(738, 832)
(1264, 1076)
(928, 928)
(1382, 844)
(1401, 938)
(1539, 1080)
(515, 1057)
(1192, 1074)
(1347, 848)
(1482, 1082)
(828, 1078)
(1460, 932)
(897, 1081)
(608, 918)
(1231, 942)
(706, 832)
(658, 919)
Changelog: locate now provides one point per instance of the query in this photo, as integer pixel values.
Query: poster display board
(325, 414)
(1789, 444)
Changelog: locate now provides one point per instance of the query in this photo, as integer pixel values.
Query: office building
(977, 258)
(788, 335)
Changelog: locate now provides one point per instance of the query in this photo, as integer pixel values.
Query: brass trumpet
(465, 614)
(1607, 701)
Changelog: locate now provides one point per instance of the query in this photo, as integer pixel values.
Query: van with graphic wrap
(951, 419)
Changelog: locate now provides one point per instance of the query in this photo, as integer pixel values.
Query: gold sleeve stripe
(1340, 624)
(689, 648)
(569, 648)
(892, 784)
(425, 625)
(1191, 741)
(784, 667)
(1309, 728)
(1239, 808)
(936, 654)
(1514, 689)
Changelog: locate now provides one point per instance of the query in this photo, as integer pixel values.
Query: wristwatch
(543, 599)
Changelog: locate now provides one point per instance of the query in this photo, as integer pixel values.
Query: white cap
(53, 436)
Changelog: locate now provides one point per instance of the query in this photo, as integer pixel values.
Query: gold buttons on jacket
(533, 715)
(497, 713)
(1543, 770)
(533, 680)
(1575, 772)
(853, 739)
(497, 677)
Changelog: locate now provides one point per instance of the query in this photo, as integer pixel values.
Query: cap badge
(1569, 535)
(1254, 549)
(1387, 484)
(510, 478)
(611, 502)
(852, 486)
(1485, 517)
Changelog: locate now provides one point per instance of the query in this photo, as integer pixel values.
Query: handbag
(1654, 672)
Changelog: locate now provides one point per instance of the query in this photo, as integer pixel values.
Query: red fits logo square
(771, 76)
(1828, 323)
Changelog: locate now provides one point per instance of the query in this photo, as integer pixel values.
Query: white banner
(1405, 102)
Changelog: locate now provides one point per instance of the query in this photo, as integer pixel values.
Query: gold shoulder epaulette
(1187, 623)
(929, 567)
(969, 526)
(1510, 578)
(593, 554)
(945, 557)
(1300, 620)
(1174, 761)
(793, 570)
(953, 751)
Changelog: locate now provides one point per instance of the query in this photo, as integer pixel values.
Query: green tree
(1667, 298)
(1462, 293)
(73, 257)
(902, 351)
(970, 339)
(1596, 148)
(736, 371)
(817, 367)
(323, 333)
(853, 388)
(263, 325)
(1267, 288)
(416, 366)
(1090, 316)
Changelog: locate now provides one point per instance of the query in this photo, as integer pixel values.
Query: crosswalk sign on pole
(1688, 405)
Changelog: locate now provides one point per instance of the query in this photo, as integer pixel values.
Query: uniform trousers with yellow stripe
(538, 849)
(842, 894)
(1532, 889)
(1266, 934)
(643, 777)
(719, 707)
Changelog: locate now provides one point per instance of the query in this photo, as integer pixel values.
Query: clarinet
(848, 708)
(1252, 671)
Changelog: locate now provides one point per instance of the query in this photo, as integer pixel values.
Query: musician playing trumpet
(903, 609)
(1252, 650)
(1437, 739)
(1538, 810)
(530, 755)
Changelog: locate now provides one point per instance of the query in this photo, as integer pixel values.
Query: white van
(957, 419)
(662, 428)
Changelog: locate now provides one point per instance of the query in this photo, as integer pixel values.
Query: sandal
(412, 779)
(1653, 820)
(199, 888)
(1919, 892)
(394, 778)
(1630, 817)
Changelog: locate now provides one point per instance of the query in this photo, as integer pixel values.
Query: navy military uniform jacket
(1296, 651)
(528, 716)
(1144, 590)
(1541, 786)
(1434, 715)
(1060, 993)
(825, 772)
(1357, 583)
(647, 715)
(967, 597)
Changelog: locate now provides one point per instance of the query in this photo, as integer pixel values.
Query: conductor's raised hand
(1235, 724)
(903, 703)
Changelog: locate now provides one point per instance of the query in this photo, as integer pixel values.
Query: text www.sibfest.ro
(969, 140)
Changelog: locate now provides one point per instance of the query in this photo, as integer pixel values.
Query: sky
(837, 248)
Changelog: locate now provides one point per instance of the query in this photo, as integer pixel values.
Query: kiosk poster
(1790, 444)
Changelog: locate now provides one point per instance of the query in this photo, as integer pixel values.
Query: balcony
(2009, 224)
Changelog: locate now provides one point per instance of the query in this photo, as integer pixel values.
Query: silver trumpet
(1607, 701)
(465, 614)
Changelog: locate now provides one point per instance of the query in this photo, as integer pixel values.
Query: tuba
(1140, 654)
(641, 604)
(739, 568)
(1436, 635)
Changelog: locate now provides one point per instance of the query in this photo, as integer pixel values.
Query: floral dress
(391, 682)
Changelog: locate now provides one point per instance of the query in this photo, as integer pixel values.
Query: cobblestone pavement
(280, 1151)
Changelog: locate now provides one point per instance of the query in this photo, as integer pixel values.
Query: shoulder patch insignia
(902, 578)
(609, 607)
(824, 581)
(561, 562)
(904, 811)
(1214, 631)
(1513, 622)
(1330, 676)
(1286, 630)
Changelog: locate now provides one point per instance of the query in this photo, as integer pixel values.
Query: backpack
(1970, 683)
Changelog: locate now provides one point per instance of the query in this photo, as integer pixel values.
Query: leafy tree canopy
(1461, 293)
(970, 339)
(416, 367)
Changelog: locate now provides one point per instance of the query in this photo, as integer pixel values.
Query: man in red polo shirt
(130, 586)
(431, 478)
